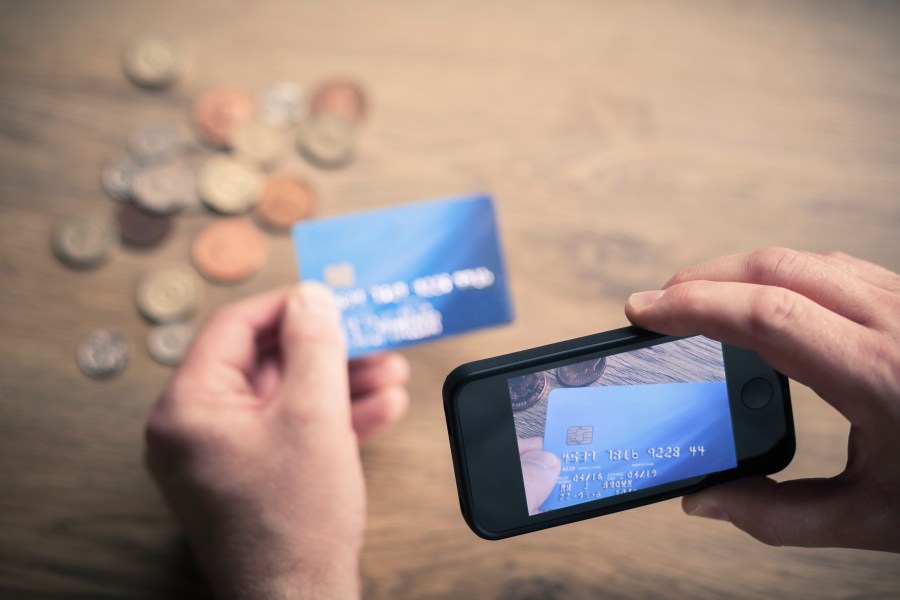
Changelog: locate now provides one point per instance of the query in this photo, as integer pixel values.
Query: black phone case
(774, 461)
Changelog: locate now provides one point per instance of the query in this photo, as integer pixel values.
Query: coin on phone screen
(581, 374)
(526, 390)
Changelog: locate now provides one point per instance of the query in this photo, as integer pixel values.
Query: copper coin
(583, 373)
(218, 112)
(341, 97)
(229, 250)
(285, 200)
(140, 228)
(526, 390)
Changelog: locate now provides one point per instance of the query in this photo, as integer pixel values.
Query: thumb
(805, 512)
(313, 351)
(541, 471)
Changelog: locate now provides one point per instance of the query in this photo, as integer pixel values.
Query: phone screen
(623, 422)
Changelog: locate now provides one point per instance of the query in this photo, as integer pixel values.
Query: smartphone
(609, 422)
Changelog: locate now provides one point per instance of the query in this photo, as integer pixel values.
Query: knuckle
(775, 264)
(772, 310)
(691, 294)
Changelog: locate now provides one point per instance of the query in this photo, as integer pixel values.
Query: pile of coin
(229, 167)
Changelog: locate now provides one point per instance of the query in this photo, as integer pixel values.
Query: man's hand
(831, 322)
(255, 445)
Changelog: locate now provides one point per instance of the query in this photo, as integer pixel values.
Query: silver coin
(164, 189)
(258, 143)
(155, 142)
(283, 104)
(117, 177)
(85, 241)
(167, 294)
(230, 186)
(103, 353)
(327, 141)
(152, 61)
(168, 343)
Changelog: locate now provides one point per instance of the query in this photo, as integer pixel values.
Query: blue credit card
(613, 440)
(410, 273)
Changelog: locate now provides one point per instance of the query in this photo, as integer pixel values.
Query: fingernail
(641, 300)
(545, 460)
(707, 512)
(316, 298)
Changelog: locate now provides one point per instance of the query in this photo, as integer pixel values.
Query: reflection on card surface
(613, 440)
(409, 274)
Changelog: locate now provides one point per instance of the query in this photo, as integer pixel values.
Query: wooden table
(620, 140)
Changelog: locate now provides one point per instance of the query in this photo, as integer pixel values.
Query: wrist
(316, 578)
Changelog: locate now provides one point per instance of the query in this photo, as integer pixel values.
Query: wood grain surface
(621, 140)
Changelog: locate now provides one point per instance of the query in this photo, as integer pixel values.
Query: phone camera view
(622, 423)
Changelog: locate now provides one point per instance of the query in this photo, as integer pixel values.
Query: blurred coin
(166, 188)
(283, 104)
(155, 142)
(285, 200)
(85, 241)
(583, 373)
(168, 343)
(258, 143)
(117, 176)
(327, 141)
(152, 61)
(102, 353)
(341, 97)
(230, 186)
(526, 390)
(167, 294)
(218, 112)
(229, 250)
(140, 228)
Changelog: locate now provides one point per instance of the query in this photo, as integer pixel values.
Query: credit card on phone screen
(613, 440)
(410, 273)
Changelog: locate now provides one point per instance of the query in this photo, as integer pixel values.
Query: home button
(757, 393)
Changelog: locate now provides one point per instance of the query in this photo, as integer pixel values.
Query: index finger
(229, 337)
(831, 283)
(793, 334)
